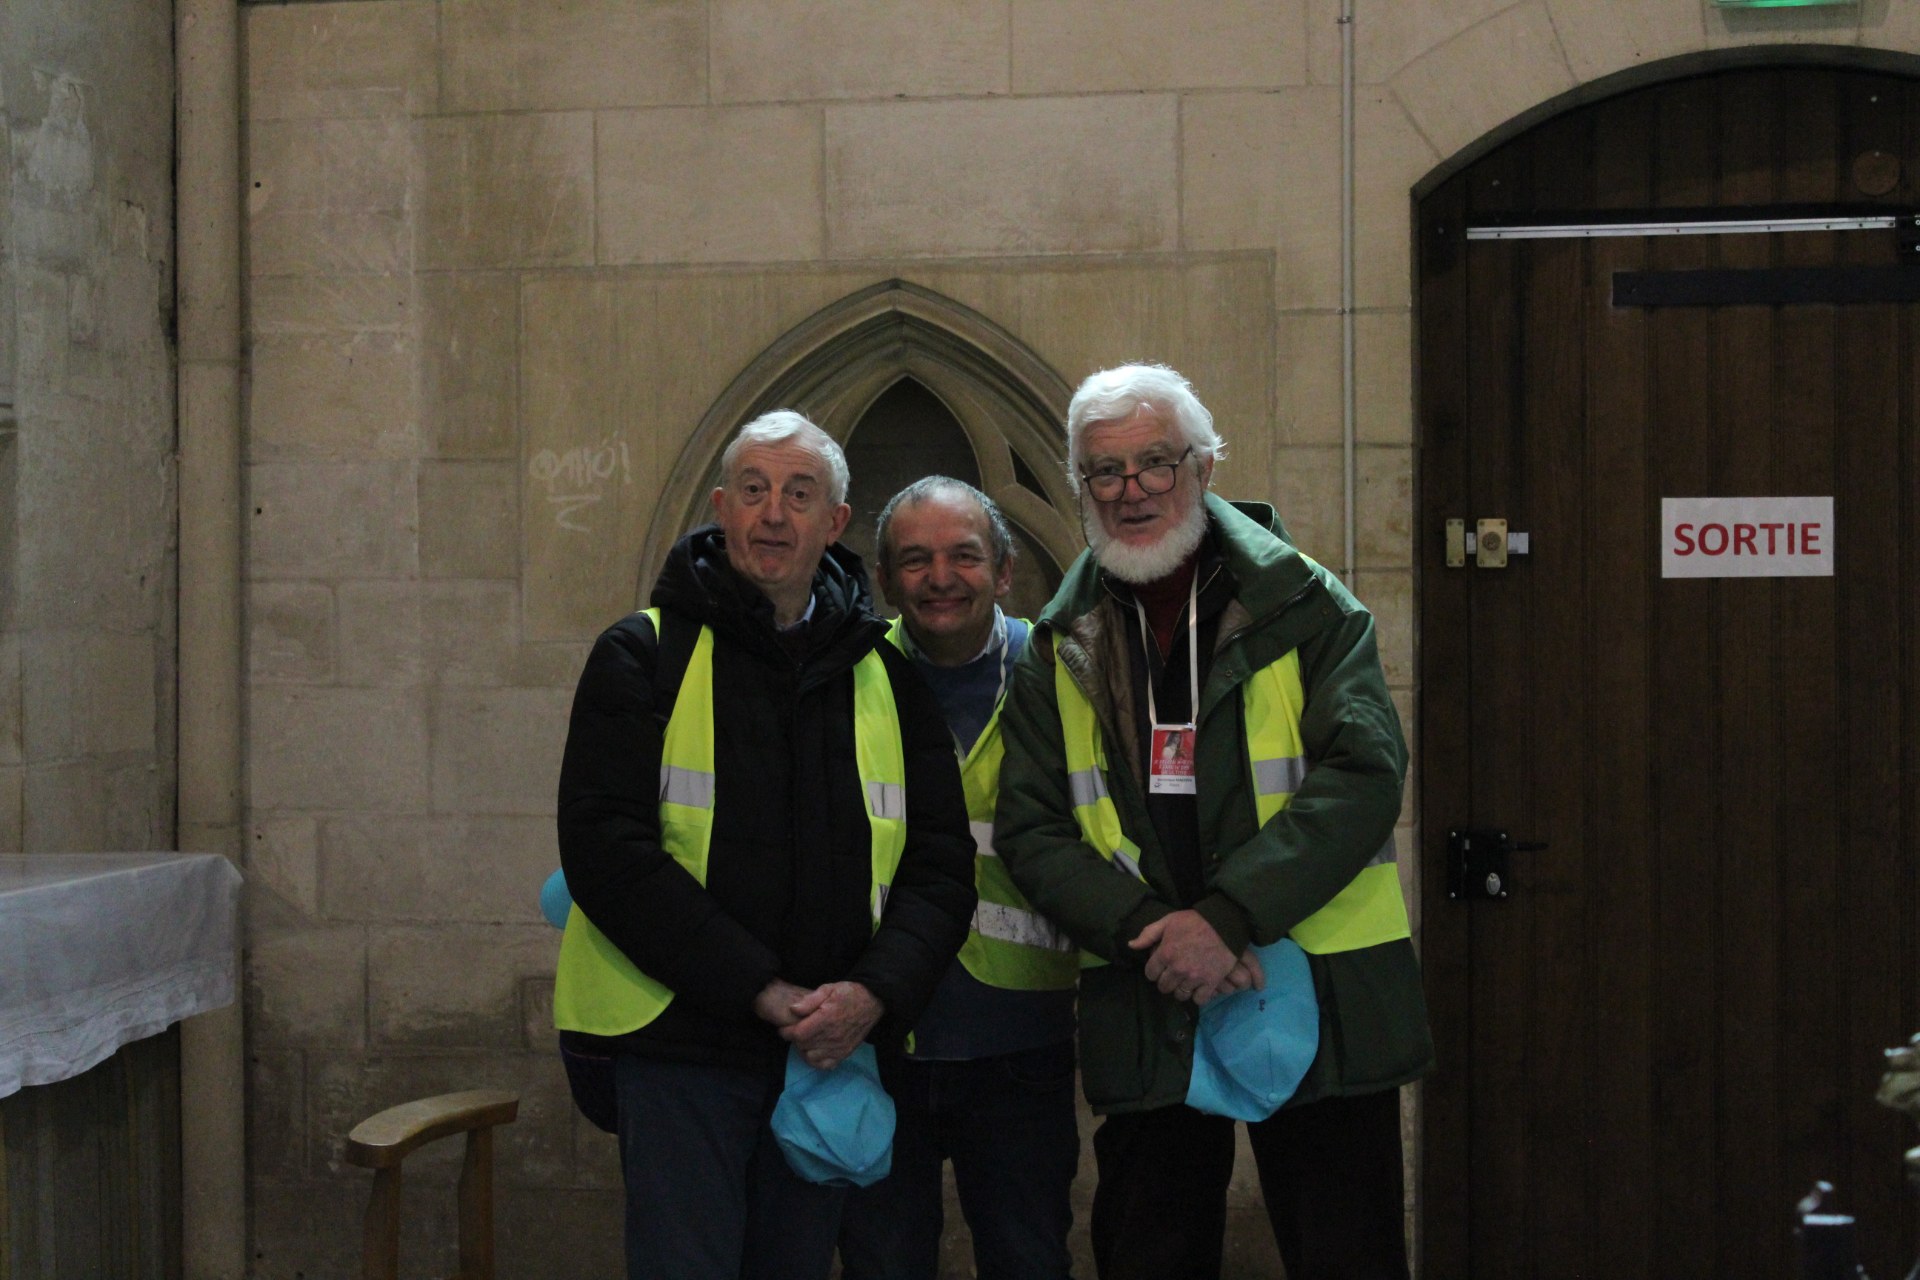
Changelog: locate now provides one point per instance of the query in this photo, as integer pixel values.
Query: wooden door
(1673, 1025)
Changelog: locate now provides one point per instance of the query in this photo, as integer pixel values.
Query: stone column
(213, 1108)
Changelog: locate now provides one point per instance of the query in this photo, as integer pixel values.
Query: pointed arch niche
(878, 370)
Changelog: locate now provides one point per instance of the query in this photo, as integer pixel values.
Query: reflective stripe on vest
(1009, 945)
(1368, 911)
(596, 988)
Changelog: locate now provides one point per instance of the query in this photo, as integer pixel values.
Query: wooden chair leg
(476, 1207)
(380, 1247)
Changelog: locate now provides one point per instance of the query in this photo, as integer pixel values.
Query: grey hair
(1114, 395)
(784, 426)
(999, 534)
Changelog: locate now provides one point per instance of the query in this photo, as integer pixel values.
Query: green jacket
(1136, 1044)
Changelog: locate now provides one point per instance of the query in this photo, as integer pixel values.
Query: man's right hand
(1245, 973)
(775, 1002)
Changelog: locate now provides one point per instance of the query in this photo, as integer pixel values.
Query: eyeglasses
(1108, 486)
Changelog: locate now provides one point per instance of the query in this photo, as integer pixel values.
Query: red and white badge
(1172, 760)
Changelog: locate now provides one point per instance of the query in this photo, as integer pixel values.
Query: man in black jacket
(762, 826)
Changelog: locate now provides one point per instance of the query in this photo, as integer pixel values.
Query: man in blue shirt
(988, 1080)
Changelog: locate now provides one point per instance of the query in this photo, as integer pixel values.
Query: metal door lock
(1480, 863)
(1491, 542)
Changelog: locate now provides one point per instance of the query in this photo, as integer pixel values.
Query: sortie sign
(1746, 537)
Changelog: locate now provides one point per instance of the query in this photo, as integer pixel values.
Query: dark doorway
(1673, 1024)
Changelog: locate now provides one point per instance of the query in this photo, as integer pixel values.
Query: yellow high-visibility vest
(1368, 911)
(596, 988)
(1009, 945)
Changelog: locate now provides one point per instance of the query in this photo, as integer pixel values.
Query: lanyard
(1193, 654)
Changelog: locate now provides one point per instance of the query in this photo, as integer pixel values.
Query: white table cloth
(97, 950)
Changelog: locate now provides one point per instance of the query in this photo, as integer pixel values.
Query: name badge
(1172, 773)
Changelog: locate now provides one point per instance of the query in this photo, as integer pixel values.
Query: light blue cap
(836, 1127)
(555, 901)
(1253, 1047)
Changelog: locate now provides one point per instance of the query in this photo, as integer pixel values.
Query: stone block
(62, 809)
(329, 60)
(1483, 77)
(534, 1151)
(345, 749)
(87, 693)
(1385, 44)
(454, 986)
(469, 520)
(507, 191)
(1390, 156)
(91, 564)
(738, 184)
(1066, 46)
(1307, 369)
(470, 635)
(303, 1228)
(346, 395)
(1383, 394)
(1384, 502)
(306, 986)
(469, 364)
(283, 859)
(11, 747)
(379, 632)
(497, 750)
(1388, 595)
(328, 519)
(800, 50)
(1602, 39)
(1310, 492)
(290, 632)
(332, 197)
(536, 1010)
(329, 306)
(589, 1221)
(469, 870)
(276, 1113)
(1264, 170)
(1030, 175)
(503, 55)
(13, 796)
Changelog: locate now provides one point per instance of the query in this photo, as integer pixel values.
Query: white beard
(1141, 565)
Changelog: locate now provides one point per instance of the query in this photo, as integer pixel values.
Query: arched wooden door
(1673, 1022)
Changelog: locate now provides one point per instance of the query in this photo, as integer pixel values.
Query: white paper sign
(1746, 537)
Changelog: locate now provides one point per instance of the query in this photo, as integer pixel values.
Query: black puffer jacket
(788, 871)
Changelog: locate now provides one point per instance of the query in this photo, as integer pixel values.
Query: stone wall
(87, 505)
(487, 236)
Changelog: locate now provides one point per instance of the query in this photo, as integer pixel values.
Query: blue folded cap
(555, 901)
(836, 1127)
(1253, 1047)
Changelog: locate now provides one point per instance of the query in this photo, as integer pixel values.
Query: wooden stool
(382, 1141)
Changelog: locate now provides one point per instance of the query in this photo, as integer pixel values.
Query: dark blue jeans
(709, 1196)
(1007, 1123)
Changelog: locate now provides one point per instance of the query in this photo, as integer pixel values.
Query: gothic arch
(836, 363)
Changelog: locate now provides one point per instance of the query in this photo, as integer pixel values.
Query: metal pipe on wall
(207, 220)
(1349, 413)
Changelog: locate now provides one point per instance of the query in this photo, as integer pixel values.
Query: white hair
(1114, 395)
(784, 426)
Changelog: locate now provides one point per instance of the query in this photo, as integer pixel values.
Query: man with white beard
(1201, 757)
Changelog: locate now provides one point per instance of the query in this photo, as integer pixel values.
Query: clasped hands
(1188, 961)
(825, 1024)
